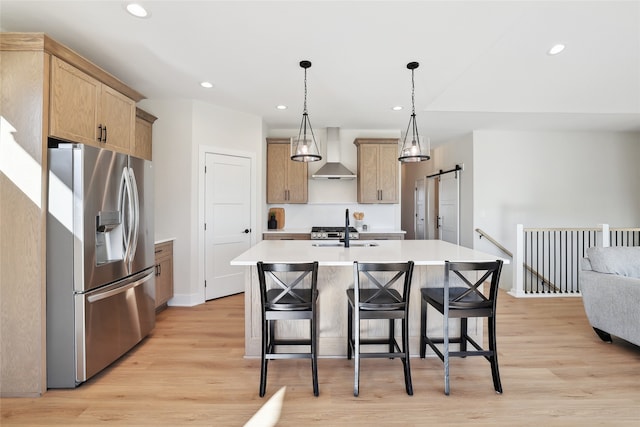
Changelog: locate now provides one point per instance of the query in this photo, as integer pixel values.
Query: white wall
(555, 179)
(172, 164)
(182, 129)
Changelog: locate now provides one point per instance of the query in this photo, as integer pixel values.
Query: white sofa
(610, 287)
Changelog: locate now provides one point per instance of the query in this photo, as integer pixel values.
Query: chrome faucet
(346, 229)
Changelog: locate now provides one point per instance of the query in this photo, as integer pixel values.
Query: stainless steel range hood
(333, 169)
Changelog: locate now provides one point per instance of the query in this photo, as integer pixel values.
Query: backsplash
(376, 216)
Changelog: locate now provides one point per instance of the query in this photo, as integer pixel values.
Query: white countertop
(168, 239)
(421, 252)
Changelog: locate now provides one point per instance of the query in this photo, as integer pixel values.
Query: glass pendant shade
(304, 148)
(414, 147)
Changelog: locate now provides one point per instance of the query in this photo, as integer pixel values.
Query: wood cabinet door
(118, 115)
(164, 281)
(368, 173)
(277, 154)
(388, 173)
(73, 111)
(297, 180)
(164, 272)
(287, 181)
(142, 147)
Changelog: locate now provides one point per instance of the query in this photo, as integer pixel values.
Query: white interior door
(431, 209)
(449, 208)
(420, 213)
(227, 222)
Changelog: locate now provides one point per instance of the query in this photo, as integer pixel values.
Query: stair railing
(547, 260)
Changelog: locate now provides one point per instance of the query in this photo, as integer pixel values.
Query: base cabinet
(381, 236)
(286, 236)
(164, 274)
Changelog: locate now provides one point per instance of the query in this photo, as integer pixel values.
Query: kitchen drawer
(286, 236)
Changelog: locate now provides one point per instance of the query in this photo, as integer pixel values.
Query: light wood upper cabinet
(286, 180)
(142, 144)
(87, 111)
(74, 103)
(377, 170)
(117, 114)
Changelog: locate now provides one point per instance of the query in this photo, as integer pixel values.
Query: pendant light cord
(413, 95)
(304, 108)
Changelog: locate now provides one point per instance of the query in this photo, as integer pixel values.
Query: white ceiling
(483, 64)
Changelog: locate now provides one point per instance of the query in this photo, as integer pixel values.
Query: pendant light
(414, 149)
(304, 147)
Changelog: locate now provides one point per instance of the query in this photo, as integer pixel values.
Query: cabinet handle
(105, 134)
(100, 134)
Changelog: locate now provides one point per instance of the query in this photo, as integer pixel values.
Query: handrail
(527, 266)
(541, 277)
(492, 240)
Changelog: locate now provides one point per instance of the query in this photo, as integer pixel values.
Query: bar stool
(374, 297)
(288, 292)
(463, 302)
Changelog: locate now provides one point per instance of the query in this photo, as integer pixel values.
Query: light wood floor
(191, 371)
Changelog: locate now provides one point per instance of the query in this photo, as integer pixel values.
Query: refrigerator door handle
(112, 292)
(126, 207)
(136, 215)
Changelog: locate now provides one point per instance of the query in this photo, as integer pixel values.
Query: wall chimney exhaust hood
(333, 169)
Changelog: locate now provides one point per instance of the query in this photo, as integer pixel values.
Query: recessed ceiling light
(207, 85)
(281, 107)
(556, 49)
(137, 10)
(397, 108)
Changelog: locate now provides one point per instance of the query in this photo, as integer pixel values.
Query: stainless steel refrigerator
(100, 259)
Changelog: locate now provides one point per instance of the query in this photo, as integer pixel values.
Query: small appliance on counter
(278, 215)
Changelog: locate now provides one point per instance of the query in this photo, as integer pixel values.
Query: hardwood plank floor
(191, 371)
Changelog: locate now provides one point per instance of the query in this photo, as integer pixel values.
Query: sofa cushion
(620, 260)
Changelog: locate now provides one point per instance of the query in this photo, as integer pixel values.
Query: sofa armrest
(611, 303)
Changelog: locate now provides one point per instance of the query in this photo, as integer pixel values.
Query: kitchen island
(335, 275)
